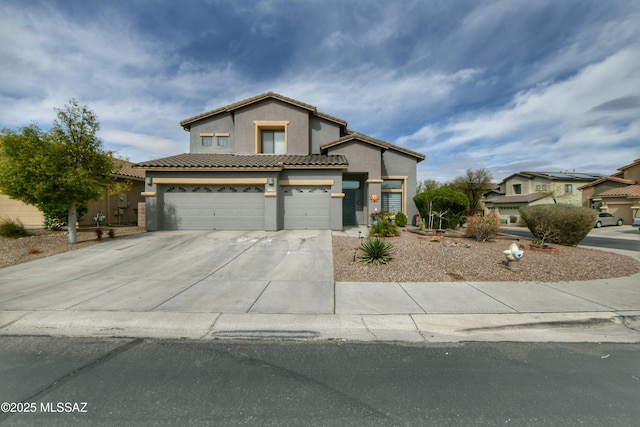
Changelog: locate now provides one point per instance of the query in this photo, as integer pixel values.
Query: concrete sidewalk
(216, 306)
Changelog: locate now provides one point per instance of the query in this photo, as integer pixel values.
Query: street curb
(611, 327)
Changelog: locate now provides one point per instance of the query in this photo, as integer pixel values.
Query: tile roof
(248, 161)
(605, 179)
(372, 141)
(127, 170)
(258, 98)
(634, 163)
(628, 191)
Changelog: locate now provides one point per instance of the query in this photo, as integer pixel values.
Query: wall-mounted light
(149, 181)
(270, 181)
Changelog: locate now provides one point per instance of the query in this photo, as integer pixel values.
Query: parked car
(636, 223)
(605, 218)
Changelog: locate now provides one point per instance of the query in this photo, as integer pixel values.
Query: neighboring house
(118, 209)
(618, 194)
(15, 210)
(271, 163)
(535, 188)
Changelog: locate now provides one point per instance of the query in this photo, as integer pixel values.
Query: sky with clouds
(506, 85)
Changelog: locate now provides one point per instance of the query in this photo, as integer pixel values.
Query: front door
(349, 216)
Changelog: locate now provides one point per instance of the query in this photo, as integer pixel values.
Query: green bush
(558, 223)
(401, 219)
(12, 229)
(442, 199)
(383, 227)
(376, 251)
(482, 228)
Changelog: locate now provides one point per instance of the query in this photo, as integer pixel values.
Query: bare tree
(428, 185)
(473, 183)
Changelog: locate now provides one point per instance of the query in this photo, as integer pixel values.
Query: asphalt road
(630, 242)
(146, 382)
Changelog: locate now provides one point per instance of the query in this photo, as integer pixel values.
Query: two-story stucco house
(618, 194)
(535, 188)
(271, 163)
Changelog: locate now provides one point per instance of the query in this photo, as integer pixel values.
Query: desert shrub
(383, 226)
(442, 199)
(12, 229)
(558, 223)
(376, 251)
(401, 219)
(482, 228)
(55, 218)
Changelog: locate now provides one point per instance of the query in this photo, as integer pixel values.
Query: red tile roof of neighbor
(127, 170)
(244, 161)
(628, 191)
(605, 179)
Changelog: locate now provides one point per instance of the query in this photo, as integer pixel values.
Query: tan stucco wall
(632, 173)
(15, 210)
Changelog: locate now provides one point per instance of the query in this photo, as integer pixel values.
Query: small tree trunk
(73, 234)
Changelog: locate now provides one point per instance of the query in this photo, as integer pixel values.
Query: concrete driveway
(186, 271)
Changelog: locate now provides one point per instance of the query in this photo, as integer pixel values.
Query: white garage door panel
(213, 208)
(307, 208)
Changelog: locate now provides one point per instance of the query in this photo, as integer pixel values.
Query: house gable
(237, 128)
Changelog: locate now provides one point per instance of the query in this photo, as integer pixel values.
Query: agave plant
(376, 251)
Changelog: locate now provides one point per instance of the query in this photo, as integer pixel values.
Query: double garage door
(243, 207)
(213, 208)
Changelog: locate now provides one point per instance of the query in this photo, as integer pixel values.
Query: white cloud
(554, 123)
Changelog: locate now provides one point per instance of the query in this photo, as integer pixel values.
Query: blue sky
(503, 85)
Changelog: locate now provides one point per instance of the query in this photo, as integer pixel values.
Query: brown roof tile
(127, 170)
(628, 191)
(240, 161)
(605, 179)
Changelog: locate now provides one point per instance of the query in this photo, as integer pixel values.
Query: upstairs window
(272, 142)
(271, 137)
(517, 188)
(223, 139)
(568, 188)
(207, 141)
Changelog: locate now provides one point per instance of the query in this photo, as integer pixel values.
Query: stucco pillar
(374, 198)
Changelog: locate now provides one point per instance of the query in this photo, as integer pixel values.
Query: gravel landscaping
(419, 259)
(43, 243)
(415, 258)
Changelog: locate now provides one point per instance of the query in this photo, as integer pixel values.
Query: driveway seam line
(492, 297)
(207, 276)
(259, 296)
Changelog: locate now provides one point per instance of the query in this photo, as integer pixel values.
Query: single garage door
(213, 208)
(307, 208)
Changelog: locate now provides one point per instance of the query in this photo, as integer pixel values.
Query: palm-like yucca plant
(376, 251)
